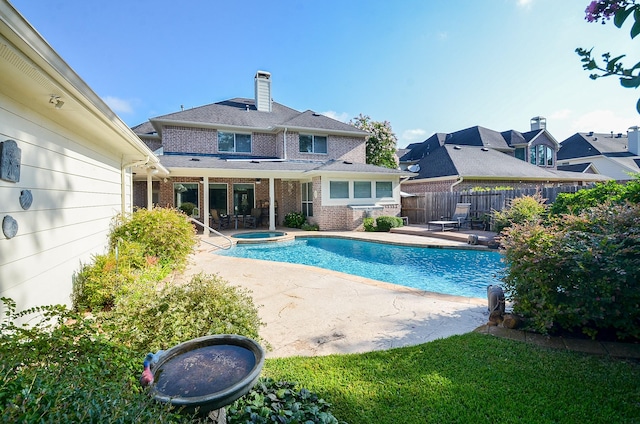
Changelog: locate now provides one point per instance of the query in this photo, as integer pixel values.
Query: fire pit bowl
(207, 373)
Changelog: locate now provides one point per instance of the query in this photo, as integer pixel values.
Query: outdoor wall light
(56, 101)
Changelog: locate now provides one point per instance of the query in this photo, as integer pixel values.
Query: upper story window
(232, 142)
(541, 155)
(521, 153)
(313, 143)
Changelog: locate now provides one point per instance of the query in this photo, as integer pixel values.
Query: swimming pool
(450, 271)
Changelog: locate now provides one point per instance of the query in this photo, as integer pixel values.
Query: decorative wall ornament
(10, 156)
(9, 227)
(26, 198)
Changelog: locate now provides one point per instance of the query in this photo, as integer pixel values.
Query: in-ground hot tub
(261, 237)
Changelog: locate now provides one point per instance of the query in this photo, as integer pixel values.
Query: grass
(473, 378)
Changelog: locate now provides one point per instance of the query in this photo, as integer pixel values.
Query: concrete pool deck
(310, 311)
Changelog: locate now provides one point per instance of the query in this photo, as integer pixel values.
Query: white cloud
(118, 105)
(343, 117)
(604, 121)
(560, 115)
(525, 3)
(414, 134)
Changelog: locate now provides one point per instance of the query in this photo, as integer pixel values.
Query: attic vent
(346, 162)
(316, 114)
(619, 135)
(195, 159)
(255, 161)
(457, 148)
(484, 149)
(590, 133)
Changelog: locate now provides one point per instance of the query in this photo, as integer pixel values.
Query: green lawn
(473, 378)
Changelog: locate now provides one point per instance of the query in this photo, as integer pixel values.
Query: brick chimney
(263, 91)
(633, 139)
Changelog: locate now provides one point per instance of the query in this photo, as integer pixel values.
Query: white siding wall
(76, 189)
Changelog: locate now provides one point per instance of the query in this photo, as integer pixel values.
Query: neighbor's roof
(594, 144)
(242, 113)
(484, 163)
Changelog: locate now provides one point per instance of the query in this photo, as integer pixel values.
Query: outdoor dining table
(237, 218)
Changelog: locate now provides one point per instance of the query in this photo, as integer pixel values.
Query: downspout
(456, 183)
(284, 140)
(123, 197)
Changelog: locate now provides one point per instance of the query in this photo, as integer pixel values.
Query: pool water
(450, 271)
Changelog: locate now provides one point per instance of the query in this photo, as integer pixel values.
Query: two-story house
(616, 155)
(478, 156)
(243, 154)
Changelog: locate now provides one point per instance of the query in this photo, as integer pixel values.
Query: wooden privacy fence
(426, 207)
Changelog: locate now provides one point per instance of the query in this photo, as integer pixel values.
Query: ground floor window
(339, 189)
(362, 189)
(218, 198)
(384, 189)
(307, 199)
(243, 199)
(186, 198)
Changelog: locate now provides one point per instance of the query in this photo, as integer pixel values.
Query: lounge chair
(459, 218)
(252, 221)
(218, 222)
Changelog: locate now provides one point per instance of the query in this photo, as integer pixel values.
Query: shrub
(162, 232)
(61, 369)
(369, 224)
(522, 210)
(310, 227)
(294, 220)
(187, 208)
(611, 192)
(155, 316)
(385, 223)
(579, 273)
(280, 402)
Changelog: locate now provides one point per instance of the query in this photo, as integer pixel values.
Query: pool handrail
(195, 221)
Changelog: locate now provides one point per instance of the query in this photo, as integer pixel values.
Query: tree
(381, 143)
(603, 10)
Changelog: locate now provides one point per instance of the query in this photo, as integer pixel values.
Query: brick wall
(189, 140)
(351, 149)
(263, 144)
(428, 187)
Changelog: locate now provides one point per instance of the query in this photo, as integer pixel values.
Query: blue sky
(425, 66)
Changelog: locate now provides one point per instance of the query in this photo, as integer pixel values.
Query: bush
(280, 402)
(61, 369)
(522, 210)
(609, 192)
(162, 232)
(369, 224)
(310, 227)
(187, 208)
(579, 273)
(155, 316)
(294, 220)
(385, 223)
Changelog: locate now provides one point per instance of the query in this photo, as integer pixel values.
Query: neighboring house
(615, 155)
(65, 168)
(242, 155)
(480, 157)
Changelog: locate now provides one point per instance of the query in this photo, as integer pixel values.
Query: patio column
(204, 213)
(272, 205)
(149, 189)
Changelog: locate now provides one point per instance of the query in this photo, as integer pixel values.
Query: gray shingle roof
(479, 137)
(242, 113)
(592, 144)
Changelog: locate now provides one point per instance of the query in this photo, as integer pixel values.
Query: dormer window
(541, 155)
(313, 144)
(232, 142)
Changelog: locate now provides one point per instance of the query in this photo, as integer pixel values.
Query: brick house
(480, 157)
(241, 154)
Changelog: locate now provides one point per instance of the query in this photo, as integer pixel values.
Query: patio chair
(218, 222)
(252, 221)
(461, 214)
